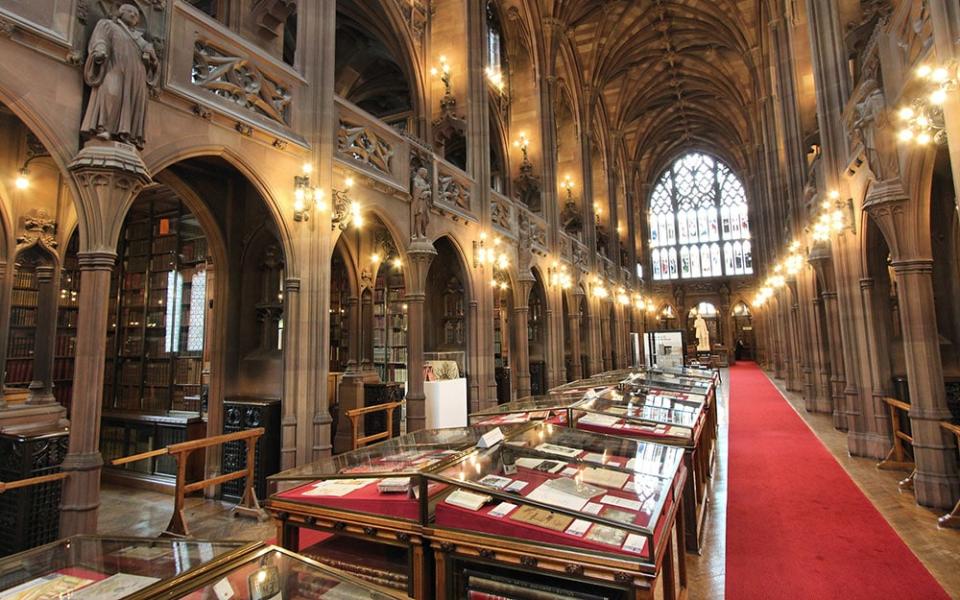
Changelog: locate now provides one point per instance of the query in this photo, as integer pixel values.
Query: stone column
(936, 482)
(420, 254)
(108, 175)
(41, 388)
(881, 380)
(606, 340)
(573, 318)
(945, 16)
(822, 375)
(521, 314)
(291, 372)
(366, 330)
(5, 289)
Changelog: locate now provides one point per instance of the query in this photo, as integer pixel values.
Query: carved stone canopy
(527, 187)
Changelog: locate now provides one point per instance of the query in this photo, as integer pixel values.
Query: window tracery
(699, 226)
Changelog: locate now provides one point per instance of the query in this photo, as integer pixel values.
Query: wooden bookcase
(390, 326)
(154, 374)
(339, 332)
(23, 322)
(65, 348)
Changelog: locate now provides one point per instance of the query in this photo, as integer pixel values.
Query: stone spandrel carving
(872, 127)
(39, 228)
(453, 192)
(121, 69)
(364, 145)
(500, 213)
(421, 199)
(237, 80)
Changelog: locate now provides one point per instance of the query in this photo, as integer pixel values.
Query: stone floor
(128, 512)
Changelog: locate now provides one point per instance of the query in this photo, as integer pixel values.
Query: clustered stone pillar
(41, 388)
(108, 175)
(936, 482)
(573, 318)
(420, 253)
(521, 312)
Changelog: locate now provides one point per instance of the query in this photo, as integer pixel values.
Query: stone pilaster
(521, 348)
(420, 254)
(41, 388)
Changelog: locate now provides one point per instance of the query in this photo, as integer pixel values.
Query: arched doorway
(744, 344)
(537, 336)
(195, 335)
(445, 322)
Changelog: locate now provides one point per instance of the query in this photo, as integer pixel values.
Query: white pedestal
(446, 403)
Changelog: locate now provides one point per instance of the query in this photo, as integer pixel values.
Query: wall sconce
(599, 291)
(345, 210)
(495, 77)
(304, 193)
(22, 181)
(567, 184)
(522, 142)
(559, 276)
(482, 255)
(622, 297)
(762, 296)
(444, 73)
(923, 118)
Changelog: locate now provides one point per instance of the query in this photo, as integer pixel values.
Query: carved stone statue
(422, 198)
(121, 68)
(703, 334)
(873, 128)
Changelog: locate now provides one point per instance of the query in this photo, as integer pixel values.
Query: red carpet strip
(797, 525)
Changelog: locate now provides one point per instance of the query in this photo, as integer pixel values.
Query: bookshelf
(339, 333)
(65, 348)
(390, 325)
(156, 338)
(23, 319)
(154, 372)
(501, 344)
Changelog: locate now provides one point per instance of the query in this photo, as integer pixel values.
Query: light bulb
(307, 168)
(923, 121)
(906, 135)
(22, 182)
(938, 96)
(375, 257)
(923, 70)
(906, 113)
(397, 263)
(939, 75)
(923, 139)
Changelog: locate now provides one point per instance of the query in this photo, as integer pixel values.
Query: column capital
(96, 260)
(889, 206)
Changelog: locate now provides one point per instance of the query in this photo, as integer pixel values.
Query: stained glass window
(698, 221)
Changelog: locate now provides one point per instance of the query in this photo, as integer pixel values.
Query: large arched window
(698, 221)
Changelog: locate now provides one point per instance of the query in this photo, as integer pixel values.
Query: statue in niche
(422, 197)
(703, 334)
(121, 68)
(875, 131)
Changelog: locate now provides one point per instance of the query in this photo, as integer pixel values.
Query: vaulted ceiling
(668, 75)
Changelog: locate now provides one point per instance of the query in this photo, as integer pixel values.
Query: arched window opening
(698, 221)
(495, 62)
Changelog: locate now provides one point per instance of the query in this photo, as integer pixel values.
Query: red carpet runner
(797, 525)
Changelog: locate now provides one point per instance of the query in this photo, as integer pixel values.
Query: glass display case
(99, 568)
(551, 498)
(272, 573)
(551, 407)
(362, 511)
(676, 418)
(668, 381)
(665, 417)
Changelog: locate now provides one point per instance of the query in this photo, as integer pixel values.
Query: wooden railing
(897, 458)
(952, 518)
(354, 415)
(22, 483)
(248, 505)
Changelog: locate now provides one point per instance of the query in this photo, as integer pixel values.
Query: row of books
(25, 279)
(189, 370)
(67, 318)
(395, 337)
(20, 346)
(23, 317)
(65, 345)
(19, 371)
(63, 392)
(25, 297)
(62, 369)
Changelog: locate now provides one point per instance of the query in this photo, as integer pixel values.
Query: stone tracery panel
(236, 79)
